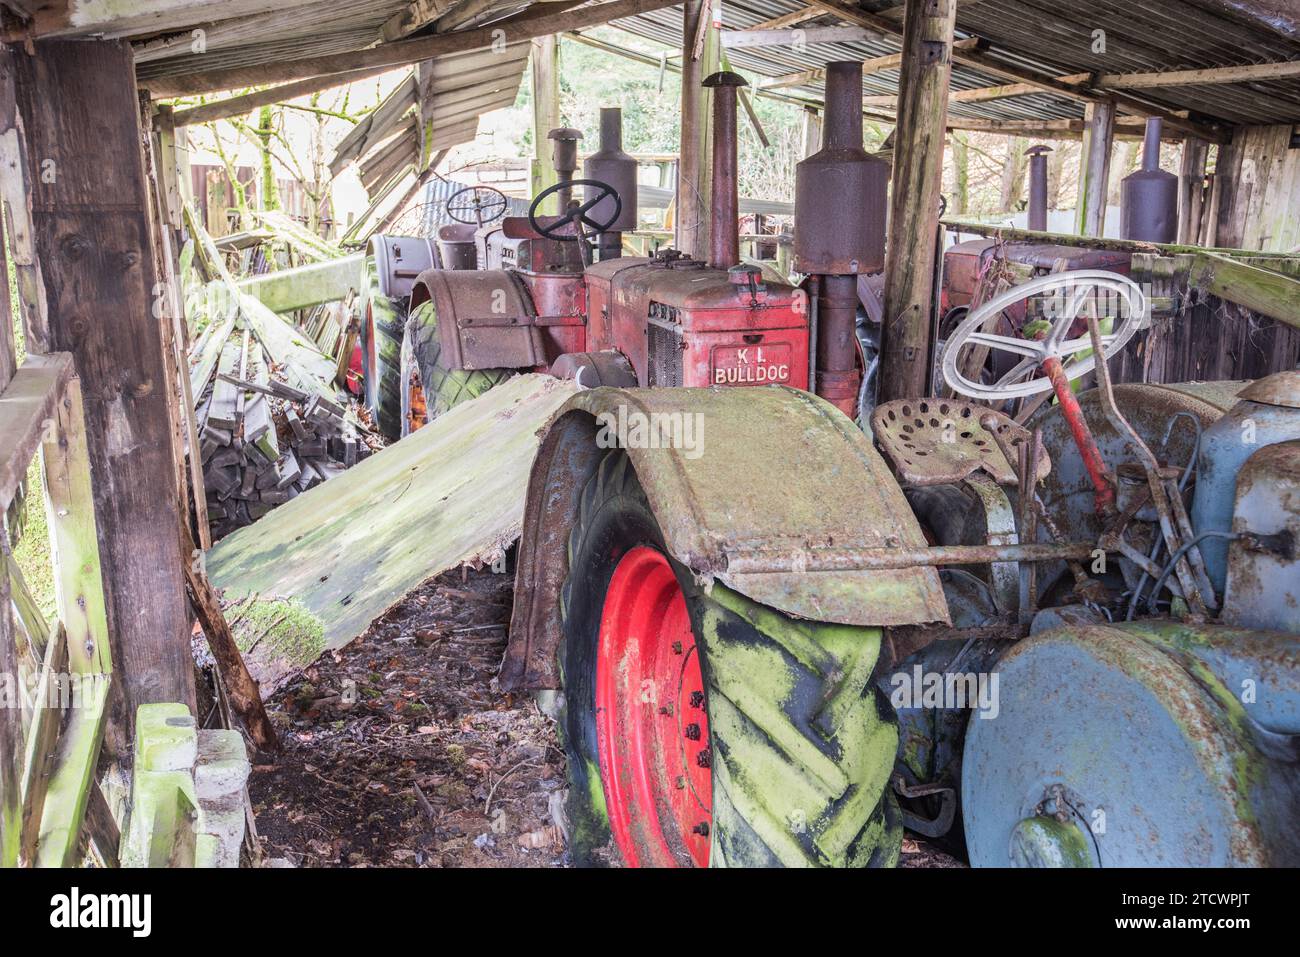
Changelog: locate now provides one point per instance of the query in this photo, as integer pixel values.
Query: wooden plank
(1260, 290)
(93, 238)
(245, 698)
(792, 38)
(1010, 234)
(388, 55)
(26, 410)
(914, 206)
(342, 553)
(1207, 76)
(73, 777)
(79, 18)
(694, 171)
(1094, 168)
(545, 66)
(47, 712)
(416, 15)
(300, 287)
(11, 727)
(15, 190)
(1191, 182)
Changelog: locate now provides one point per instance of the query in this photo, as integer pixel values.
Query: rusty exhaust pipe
(564, 157)
(724, 231)
(840, 203)
(1038, 186)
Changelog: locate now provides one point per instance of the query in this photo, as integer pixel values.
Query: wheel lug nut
(701, 829)
(704, 758)
(693, 732)
(697, 699)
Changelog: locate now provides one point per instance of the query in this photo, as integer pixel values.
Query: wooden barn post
(94, 240)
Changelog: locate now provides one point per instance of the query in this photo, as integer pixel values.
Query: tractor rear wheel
(428, 387)
(703, 728)
(382, 323)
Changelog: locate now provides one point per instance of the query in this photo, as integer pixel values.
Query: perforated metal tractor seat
(941, 441)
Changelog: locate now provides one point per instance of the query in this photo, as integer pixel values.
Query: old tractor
(772, 637)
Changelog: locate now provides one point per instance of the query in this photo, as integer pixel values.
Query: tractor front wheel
(428, 387)
(703, 729)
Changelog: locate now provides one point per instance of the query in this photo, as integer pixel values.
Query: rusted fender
(728, 473)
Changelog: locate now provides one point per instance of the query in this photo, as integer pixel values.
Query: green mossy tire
(381, 363)
(444, 388)
(803, 742)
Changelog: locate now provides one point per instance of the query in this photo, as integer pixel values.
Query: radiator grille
(664, 355)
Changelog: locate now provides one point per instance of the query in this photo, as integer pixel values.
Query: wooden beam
(1260, 290)
(246, 103)
(793, 37)
(810, 132)
(1011, 234)
(545, 66)
(11, 726)
(93, 238)
(79, 18)
(29, 402)
(694, 168)
(914, 201)
(416, 15)
(1191, 188)
(385, 56)
(241, 689)
(1208, 76)
(1094, 168)
(790, 19)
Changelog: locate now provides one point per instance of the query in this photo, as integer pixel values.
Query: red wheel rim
(652, 726)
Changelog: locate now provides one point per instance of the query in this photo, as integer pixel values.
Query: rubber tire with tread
(803, 742)
(383, 382)
(444, 388)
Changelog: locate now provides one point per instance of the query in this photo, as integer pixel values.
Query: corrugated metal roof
(1049, 37)
(455, 90)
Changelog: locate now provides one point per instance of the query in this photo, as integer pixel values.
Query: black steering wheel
(577, 212)
(482, 204)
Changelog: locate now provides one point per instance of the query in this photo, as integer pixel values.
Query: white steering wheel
(1115, 297)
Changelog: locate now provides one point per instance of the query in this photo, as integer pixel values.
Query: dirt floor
(399, 751)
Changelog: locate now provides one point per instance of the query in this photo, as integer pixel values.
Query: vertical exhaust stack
(841, 197)
(564, 156)
(724, 230)
(610, 165)
(1038, 186)
(1148, 206)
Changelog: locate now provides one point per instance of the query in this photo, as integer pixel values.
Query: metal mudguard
(485, 318)
(768, 468)
(399, 260)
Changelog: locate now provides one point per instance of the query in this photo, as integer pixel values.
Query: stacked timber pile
(271, 422)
